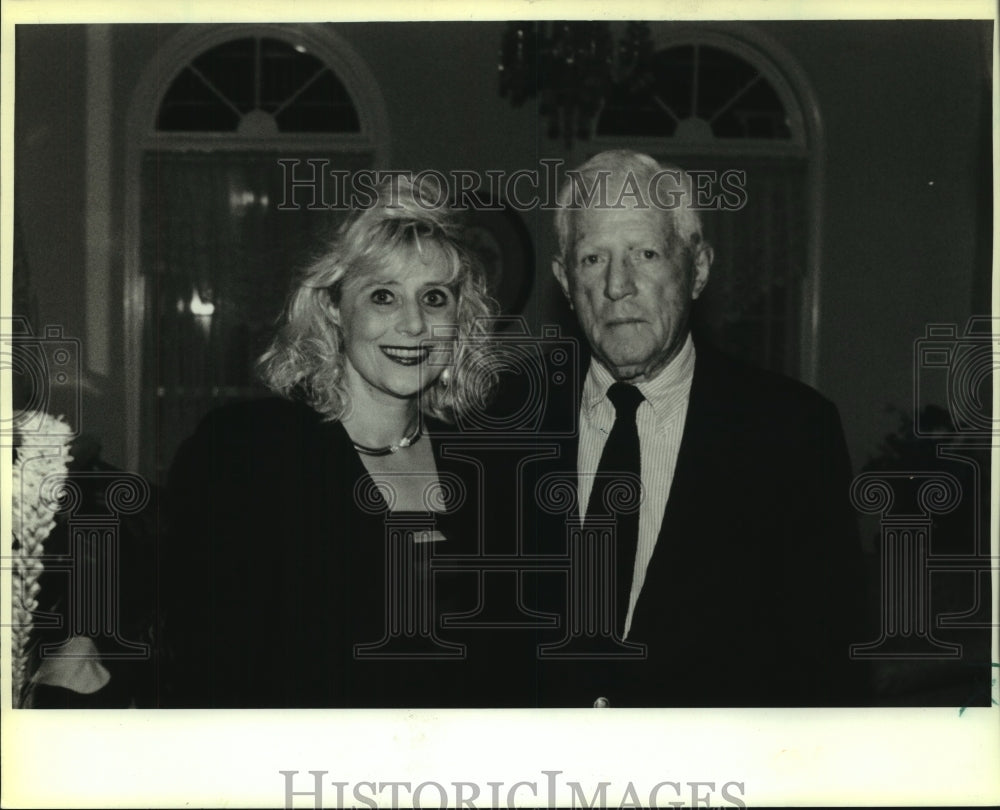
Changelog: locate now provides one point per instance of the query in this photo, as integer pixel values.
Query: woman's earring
(446, 377)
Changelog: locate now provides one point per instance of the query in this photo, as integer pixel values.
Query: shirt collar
(665, 393)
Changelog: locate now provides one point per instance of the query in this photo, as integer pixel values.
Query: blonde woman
(280, 509)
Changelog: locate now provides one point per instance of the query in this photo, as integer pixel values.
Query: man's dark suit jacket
(754, 591)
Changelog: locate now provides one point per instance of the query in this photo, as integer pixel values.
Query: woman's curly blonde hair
(305, 359)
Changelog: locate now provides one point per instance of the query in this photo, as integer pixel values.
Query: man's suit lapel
(691, 496)
(697, 453)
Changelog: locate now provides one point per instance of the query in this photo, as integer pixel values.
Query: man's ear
(559, 271)
(702, 264)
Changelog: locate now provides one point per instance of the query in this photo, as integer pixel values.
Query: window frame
(142, 137)
(793, 87)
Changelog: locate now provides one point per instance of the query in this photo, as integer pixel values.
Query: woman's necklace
(406, 441)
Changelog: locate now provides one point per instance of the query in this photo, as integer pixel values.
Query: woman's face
(388, 317)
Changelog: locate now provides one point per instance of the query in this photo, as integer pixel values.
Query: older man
(738, 577)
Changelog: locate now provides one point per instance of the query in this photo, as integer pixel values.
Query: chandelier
(572, 66)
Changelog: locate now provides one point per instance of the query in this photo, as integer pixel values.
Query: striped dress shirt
(660, 420)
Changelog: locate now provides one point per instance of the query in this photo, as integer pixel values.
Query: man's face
(632, 286)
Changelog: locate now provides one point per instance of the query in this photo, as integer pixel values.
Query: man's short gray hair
(625, 174)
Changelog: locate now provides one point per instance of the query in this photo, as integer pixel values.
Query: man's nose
(620, 280)
(411, 319)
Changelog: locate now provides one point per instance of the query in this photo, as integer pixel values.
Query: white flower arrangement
(38, 475)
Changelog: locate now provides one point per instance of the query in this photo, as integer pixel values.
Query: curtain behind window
(218, 258)
(753, 306)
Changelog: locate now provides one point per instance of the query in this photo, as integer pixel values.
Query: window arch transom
(699, 92)
(257, 86)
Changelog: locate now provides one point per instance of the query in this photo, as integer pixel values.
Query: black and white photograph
(558, 407)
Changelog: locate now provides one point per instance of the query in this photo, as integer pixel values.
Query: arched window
(716, 103)
(698, 93)
(231, 150)
(258, 86)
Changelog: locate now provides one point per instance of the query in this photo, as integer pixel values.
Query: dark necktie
(615, 482)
